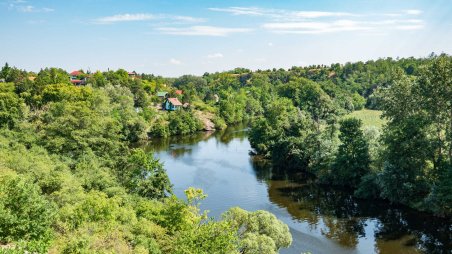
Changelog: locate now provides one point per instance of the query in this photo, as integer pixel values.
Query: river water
(321, 220)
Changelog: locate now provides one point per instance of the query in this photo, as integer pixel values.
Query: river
(321, 220)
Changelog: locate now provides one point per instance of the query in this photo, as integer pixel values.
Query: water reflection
(182, 144)
(322, 220)
(337, 215)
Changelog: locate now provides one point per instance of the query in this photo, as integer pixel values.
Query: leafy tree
(353, 159)
(12, 108)
(259, 231)
(49, 76)
(25, 215)
(73, 127)
(145, 176)
(4, 73)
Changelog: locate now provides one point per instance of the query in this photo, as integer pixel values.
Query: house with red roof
(77, 78)
(172, 104)
(179, 92)
(133, 75)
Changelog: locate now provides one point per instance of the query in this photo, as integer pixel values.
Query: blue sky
(178, 37)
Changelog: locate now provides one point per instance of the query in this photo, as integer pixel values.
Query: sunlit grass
(369, 117)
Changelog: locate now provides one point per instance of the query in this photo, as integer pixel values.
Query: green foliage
(69, 181)
(353, 158)
(160, 127)
(73, 127)
(145, 176)
(402, 154)
(12, 107)
(24, 213)
(259, 231)
(50, 76)
(219, 122)
(233, 106)
(64, 91)
(183, 122)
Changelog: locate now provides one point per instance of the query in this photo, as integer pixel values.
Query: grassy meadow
(369, 117)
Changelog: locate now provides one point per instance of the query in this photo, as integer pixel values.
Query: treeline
(409, 161)
(229, 97)
(70, 183)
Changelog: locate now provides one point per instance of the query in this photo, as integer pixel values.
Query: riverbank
(322, 220)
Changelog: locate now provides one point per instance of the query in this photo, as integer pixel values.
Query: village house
(133, 75)
(172, 104)
(76, 78)
(179, 92)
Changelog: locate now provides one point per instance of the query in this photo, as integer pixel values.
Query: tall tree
(353, 159)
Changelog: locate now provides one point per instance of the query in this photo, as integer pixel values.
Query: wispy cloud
(315, 27)
(20, 6)
(215, 55)
(413, 12)
(174, 61)
(250, 11)
(124, 18)
(280, 14)
(202, 30)
(127, 17)
(24, 6)
(342, 26)
(319, 22)
(186, 19)
(30, 8)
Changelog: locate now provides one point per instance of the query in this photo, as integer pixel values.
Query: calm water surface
(320, 220)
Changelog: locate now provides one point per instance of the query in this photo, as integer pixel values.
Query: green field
(369, 117)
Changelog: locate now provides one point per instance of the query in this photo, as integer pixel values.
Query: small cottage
(132, 74)
(179, 92)
(172, 104)
(77, 78)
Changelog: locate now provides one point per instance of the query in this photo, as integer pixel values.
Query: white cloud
(270, 44)
(144, 17)
(409, 27)
(202, 30)
(310, 27)
(27, 8)
(318, 22)
(319, 14)
(250, 11)
(280, 14)
(30, 8)
(187, 19)
(215, 55)
(315, 27)
(175, 61)
(124, 18)
(413, 12)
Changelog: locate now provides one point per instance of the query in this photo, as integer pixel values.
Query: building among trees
(172, 104)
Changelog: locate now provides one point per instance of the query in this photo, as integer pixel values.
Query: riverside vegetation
(71, 183)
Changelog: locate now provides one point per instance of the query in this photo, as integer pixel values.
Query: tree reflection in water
(339, 216)
(185, 143)
(332, 213)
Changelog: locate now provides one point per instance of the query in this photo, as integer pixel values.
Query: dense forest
(71, 181)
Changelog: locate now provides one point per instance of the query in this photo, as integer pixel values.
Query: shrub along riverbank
(407, 161)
